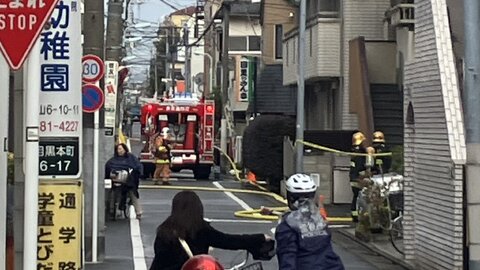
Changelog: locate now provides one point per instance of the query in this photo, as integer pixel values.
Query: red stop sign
(21, 22)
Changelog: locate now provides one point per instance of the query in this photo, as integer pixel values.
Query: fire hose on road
(264, 213)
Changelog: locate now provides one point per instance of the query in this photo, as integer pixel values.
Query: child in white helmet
(303, 241)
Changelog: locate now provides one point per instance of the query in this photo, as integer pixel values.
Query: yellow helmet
(357, 138)
(378, 137)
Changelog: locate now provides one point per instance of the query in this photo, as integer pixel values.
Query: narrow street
(219, 209)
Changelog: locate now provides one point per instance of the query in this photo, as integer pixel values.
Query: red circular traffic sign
(92, 98)
(92, 68)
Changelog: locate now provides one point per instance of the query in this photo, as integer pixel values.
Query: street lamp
(211, 67)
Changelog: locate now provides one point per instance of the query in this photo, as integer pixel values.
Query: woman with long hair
(123, 160)
(186, 222)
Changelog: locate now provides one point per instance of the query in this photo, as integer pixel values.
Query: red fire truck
(189, 124)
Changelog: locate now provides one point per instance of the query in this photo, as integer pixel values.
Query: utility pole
(167, 52)
(114, 38)
(225, 82)
(472, 119)
(173, 55)
(156, 74)
(93, 44)
(301, 86)
(187, 59)
(113, 44)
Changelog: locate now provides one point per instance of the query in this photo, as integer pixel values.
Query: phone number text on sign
(61, 72)
(63, 126)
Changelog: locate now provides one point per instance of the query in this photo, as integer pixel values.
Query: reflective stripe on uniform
(354, 213)
(354, 184)
(162, 161)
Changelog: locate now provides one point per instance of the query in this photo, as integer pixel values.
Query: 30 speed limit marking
(92, 68)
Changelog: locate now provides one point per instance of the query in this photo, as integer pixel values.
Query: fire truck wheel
(202, 172)
(176, 169)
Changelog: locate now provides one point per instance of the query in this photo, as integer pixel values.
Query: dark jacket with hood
(170, 255)
(126, 162)
(303, 241)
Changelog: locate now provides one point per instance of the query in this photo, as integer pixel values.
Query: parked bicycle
(114, 203)
(244, 266)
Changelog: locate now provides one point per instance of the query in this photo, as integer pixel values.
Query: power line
(177, 9)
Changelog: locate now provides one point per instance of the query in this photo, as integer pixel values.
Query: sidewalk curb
(377, 250)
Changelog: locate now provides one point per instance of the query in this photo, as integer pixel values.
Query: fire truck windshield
(177, 126)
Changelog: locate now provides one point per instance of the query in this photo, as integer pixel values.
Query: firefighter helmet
(378, 137)
(357, 138)
(165, 132)
(202, 262)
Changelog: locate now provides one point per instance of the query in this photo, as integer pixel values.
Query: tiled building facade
(434, 145)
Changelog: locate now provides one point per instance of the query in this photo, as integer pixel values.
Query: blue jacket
(303, 241)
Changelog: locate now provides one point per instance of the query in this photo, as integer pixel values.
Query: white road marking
(137, 244)
(243, 204)
(333, 226)
(235, 220)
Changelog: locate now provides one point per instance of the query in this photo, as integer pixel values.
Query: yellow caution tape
(339, 152)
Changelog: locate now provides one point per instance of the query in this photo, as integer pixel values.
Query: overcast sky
(152, 11)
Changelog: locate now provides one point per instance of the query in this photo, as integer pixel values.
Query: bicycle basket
(122, 176)
(253, 266)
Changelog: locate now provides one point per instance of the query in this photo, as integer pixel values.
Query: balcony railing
(401, 15)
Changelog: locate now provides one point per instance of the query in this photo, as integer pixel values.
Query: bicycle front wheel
(126, 211)
(396, 234)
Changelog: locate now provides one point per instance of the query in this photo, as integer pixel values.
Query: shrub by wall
(263, 147)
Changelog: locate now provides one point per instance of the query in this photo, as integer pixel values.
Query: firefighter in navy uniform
(382, 163)
(357, 169)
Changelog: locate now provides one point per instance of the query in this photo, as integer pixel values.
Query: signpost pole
(31, 102)
(4, 84)
(96, 136)
(93, 70)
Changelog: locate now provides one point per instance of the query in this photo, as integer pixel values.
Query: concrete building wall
(244, 26)
(330, 56)
(274, 14)
(382, 62)
(434, 145)
(360, 18)
(322, 51)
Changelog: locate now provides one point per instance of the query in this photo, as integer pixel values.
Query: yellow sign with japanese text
(59, 237)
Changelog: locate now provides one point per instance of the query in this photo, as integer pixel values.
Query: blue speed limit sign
(92, 68)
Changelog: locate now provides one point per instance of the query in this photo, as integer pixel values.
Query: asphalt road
(219, 208)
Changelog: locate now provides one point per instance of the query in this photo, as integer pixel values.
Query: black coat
(170, 255)
(385, 162)
(357, 163)
(129, 161)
